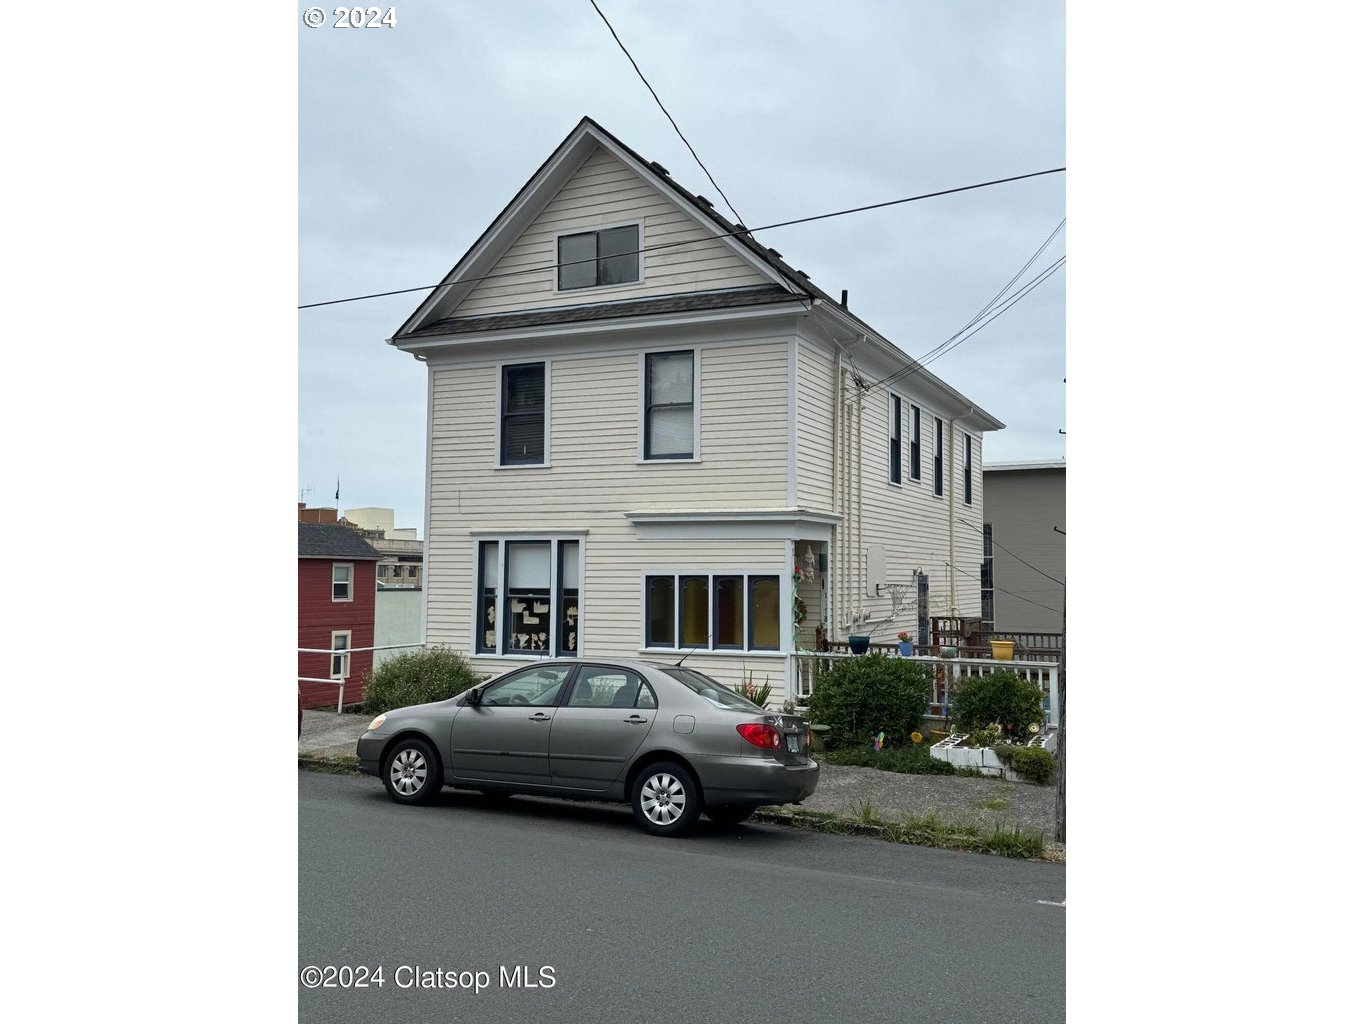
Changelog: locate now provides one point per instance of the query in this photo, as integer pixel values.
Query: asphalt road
(757, 923)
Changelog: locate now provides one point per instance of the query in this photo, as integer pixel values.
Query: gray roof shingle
(323, 540)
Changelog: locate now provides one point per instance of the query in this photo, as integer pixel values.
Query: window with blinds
(669, 410)
(523, 415)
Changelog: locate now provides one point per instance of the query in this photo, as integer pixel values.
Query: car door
(599, 728)
(506, 737)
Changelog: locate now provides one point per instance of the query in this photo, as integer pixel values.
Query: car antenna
(679, 662)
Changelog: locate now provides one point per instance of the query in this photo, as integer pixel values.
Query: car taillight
(760, 735)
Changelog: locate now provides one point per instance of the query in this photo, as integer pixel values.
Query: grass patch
(911, 760)
(341, 765)
(913, 831)
(997, 804)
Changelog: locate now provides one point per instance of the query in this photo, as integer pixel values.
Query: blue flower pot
(907, 649)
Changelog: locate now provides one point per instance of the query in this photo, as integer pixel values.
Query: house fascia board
(740, 524)
(703, 317)
(534, 196)
(836, 319)
(1014, 467)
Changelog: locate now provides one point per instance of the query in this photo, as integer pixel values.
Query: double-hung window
(522, 420)
(713, 611)
(895, 444)
(342, 573)
(987, 577)
(914, 442)
(341, 658)
(967, 469)
(527, 597)
(593, 259)
(669, 405)
(938, 457)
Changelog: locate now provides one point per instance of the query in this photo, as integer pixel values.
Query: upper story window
(967, 468)
(522, 415)
(342, 573)
(669, 405)
(938, 457)
(895, 439)
(592, 259)
(914, 442)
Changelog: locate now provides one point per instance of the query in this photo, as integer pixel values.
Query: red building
(336, 611)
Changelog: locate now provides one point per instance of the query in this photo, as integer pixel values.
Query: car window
(600, 686)
(532, 687)
(703, 685)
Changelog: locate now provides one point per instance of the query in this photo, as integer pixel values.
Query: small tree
(419, 677)
(1002, 697)
(862, 696)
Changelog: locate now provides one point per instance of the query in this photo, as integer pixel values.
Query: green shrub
(1002, 696)
(912, 760)
(419, 677)
(1034, 764)
(861, 696)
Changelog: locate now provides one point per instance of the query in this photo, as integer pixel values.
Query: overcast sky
(413, 138)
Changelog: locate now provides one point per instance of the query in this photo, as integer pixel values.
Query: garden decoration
(880, 741)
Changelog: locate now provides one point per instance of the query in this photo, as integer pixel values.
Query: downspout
(835, 496)
(862, 571)
(952, 554)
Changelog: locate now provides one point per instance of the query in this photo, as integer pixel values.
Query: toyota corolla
(668, 740)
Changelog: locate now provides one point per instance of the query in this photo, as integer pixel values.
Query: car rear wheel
(665, 800)
(729, 814)
(412, 774)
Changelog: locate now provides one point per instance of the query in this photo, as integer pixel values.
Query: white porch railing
(807, 667)
(340, 681)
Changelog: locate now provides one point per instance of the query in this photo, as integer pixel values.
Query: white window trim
(784, 599)
(350, 584)
(345, 658)
(597, 288)
(643, 387)
(891, 398)
(502, 540)
(497, 414)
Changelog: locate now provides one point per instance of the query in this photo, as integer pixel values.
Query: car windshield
(719, 695)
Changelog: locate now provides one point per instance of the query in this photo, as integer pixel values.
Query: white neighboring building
(647, 434)
(399, 576)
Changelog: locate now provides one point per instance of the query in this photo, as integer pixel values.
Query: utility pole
(1060, 834)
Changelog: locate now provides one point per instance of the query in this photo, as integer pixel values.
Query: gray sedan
(666, 739)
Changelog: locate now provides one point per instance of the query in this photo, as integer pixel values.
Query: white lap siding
(605, 192)
(594, 478)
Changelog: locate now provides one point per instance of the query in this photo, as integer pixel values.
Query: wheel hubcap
(408, 773)
(663, 798)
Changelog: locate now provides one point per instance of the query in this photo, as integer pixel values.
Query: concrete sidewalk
(982, 802)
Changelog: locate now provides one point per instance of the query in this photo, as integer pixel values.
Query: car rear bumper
(755, 780)
(368, 748)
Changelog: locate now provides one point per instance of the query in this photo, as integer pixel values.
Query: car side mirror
(474, 697)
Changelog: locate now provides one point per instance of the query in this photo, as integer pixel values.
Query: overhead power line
(1001, 590)
(695, 241)
(996, 544)
(660, 102)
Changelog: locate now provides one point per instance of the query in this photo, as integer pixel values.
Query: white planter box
(983, 759)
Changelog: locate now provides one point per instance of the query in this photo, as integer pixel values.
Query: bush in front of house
(1034, 764)
(861, 696)
(1003, 697)
(418, 677)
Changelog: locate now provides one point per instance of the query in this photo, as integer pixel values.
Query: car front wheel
(411, 772)
(665, 800)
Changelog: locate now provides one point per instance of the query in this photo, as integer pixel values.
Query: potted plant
(1002, 649)
(907, 646)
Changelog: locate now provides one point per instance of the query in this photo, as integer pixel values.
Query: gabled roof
(323, 540)
(432, 317)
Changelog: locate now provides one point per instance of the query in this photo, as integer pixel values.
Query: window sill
(526, 465)
(619, 286)
(665, 462)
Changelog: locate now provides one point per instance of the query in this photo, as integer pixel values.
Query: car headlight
(376, 723)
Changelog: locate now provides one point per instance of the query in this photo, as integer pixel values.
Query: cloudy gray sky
(412, 139)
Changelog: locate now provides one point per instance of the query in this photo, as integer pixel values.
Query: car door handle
(635, 720)
(539, 716)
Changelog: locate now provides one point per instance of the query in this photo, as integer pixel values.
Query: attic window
(593, 259)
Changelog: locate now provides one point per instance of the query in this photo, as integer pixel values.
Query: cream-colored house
(648, 435)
